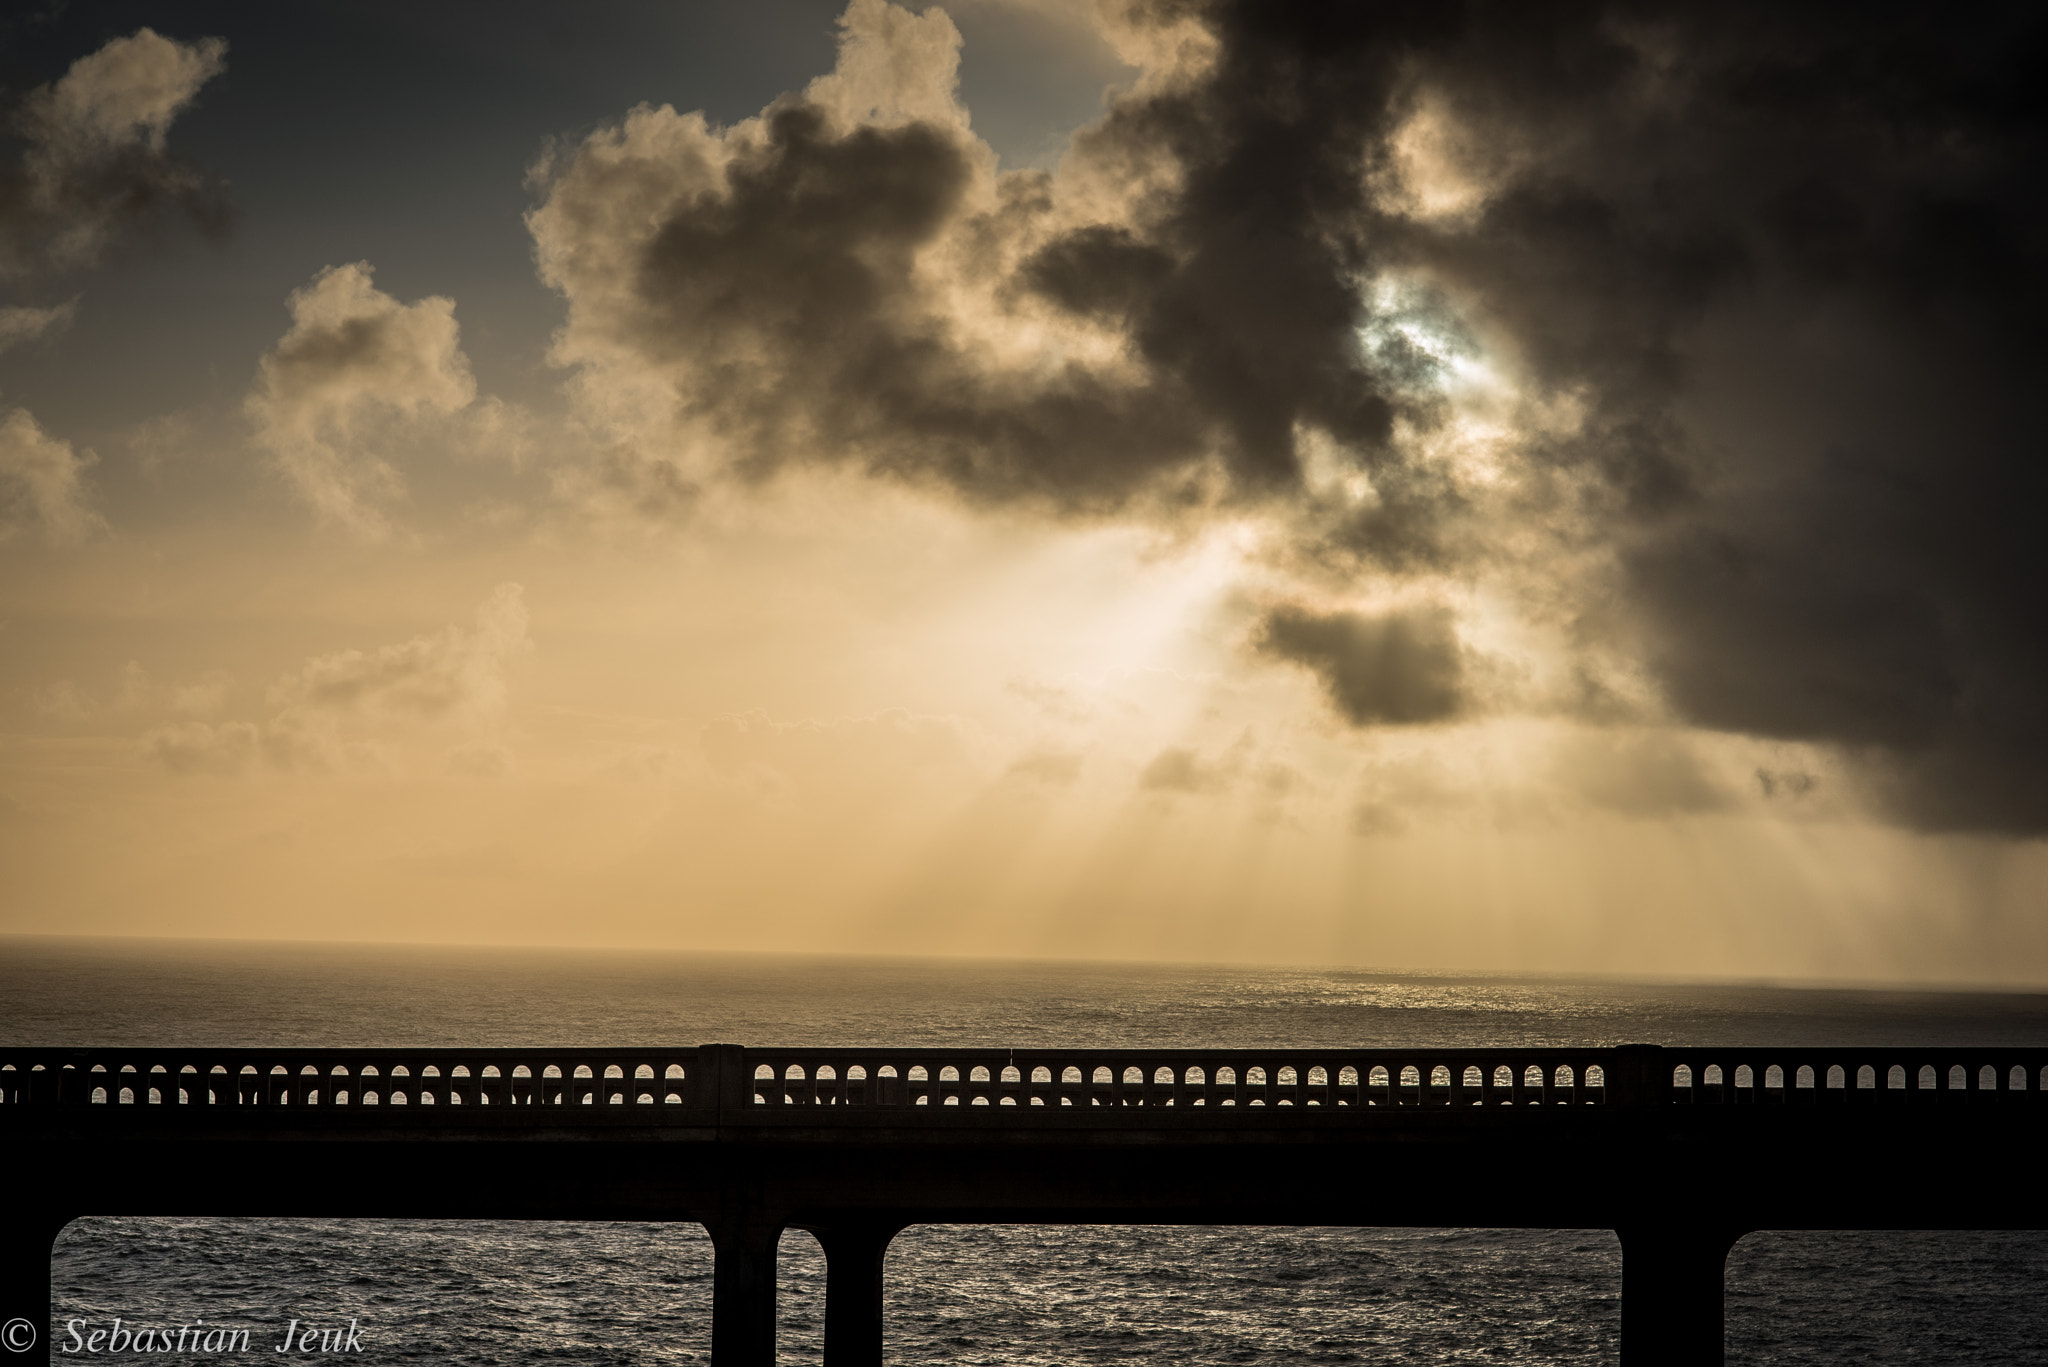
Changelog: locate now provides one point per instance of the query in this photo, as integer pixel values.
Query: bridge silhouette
(1681, 1151)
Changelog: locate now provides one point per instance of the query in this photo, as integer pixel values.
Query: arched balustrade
(666, 1080)
(1854, 1076)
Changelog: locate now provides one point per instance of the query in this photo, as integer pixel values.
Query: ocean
(512, 1293)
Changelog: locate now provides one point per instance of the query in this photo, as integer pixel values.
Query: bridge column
(25, 1283)
(1671, 1294)
(743, 1291)
(854, 1252)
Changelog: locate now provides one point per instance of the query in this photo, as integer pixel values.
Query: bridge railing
(1732, 1075)
(1181, 1078)
(672, 1081)
(349, 1077)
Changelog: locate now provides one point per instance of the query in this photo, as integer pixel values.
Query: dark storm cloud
(1765, 280)
(89, 157)
(808, 259)
(814, 285)
(1399, 669)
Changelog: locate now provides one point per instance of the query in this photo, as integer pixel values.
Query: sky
(1539, 487)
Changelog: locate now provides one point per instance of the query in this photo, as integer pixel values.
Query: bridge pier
(854, 1254)
(1672, 1281)
(25, 1282)
(743, 1290)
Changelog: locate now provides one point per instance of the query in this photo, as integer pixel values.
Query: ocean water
(531, 1293)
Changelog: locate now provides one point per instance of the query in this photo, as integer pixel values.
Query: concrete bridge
(1679, 1150)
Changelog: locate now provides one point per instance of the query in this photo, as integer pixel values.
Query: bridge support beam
(854, 1253)
(25, 1248)
(1671, 1294)
(743, 1291)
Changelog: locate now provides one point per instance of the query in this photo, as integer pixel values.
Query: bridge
(1681, 1151)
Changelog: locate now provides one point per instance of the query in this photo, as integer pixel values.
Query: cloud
(1179, 770)
(1402, 668)
(847, 279)
(20, 324)
(1701, 338)
(95, 160)
(454, 674)
(1396, 790)
(1649, 775)
(1183, 769)
(1055, 768)
(355, 367)
(340, 712)
(42, 484)
(197, 747)
(1789, 785)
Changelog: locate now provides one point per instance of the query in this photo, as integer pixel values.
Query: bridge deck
(1681, 1151)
